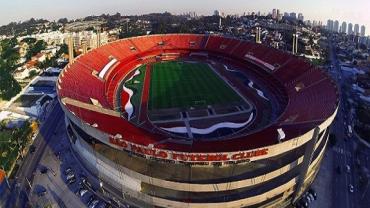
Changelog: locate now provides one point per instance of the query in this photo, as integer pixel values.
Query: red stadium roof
(307, 96)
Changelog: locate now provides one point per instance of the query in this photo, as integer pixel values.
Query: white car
(348, 169)
(94, 203)
(83, 192)
(70, 176)
(350, 188)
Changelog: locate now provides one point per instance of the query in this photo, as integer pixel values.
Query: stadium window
(161, 43)
(192, 43)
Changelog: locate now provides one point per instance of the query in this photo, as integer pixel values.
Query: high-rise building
(286, 14)
(278, 15)
(330, 25)
(336, 26)
(314, 23)
(363, 31)
(216, 13)
(350, 29)
(300, 17)
(344, 27)
(356, 29)
(274, 14)
(293, 15)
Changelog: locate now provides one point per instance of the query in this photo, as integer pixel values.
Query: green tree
(9, 87)
(35, 49)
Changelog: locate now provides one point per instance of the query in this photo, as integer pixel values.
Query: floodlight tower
(258, 35)
(295, 43)
(70, 48)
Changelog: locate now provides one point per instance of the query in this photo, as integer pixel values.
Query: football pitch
(184, 85)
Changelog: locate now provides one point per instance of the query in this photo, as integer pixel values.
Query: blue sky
(356, 11)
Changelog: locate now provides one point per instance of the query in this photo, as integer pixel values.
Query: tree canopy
(9, 56)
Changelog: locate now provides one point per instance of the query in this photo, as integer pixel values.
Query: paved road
(19, 196)
(58, 192)
(344, 149)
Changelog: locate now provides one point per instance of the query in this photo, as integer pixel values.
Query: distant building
(278, 15)
(300, 17)
(286, 14)
(314, 23)
(330, 25)
(274, 14)
(344, 27)
(293, 15)
(350, 29)
(40, 57)
(356, 29)
(216, 13)
(363, 31)
(336, 26)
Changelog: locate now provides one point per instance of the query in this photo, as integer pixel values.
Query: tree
(9, 87)
(35, 49)
(29, 40)
(63, 21)
(9, 55)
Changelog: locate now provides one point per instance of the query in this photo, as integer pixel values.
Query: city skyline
(354, 11)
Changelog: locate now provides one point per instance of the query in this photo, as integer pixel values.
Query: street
(344, 148)
(21, 185)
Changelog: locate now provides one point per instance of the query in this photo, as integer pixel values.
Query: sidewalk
(323, 182)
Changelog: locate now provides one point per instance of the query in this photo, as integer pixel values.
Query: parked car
(313, 192)
(348, 169)
(72, 180)
(67, 171)
(94, 203)
(41, 192)
(82, 192)
(311, 197)
(91, 199)
(70, 176)
(87, 183)
(350, 188)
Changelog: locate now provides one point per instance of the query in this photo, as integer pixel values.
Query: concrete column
(307, 158)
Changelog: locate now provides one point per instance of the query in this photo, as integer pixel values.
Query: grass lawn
(184, 85)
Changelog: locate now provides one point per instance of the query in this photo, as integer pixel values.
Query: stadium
(186, 120)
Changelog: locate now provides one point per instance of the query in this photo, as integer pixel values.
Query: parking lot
(61, 181)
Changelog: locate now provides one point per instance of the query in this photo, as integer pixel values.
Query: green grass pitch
(183, 85)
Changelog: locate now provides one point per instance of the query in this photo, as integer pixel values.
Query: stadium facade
(263, 150)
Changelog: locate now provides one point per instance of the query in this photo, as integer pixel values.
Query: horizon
(354, 12)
